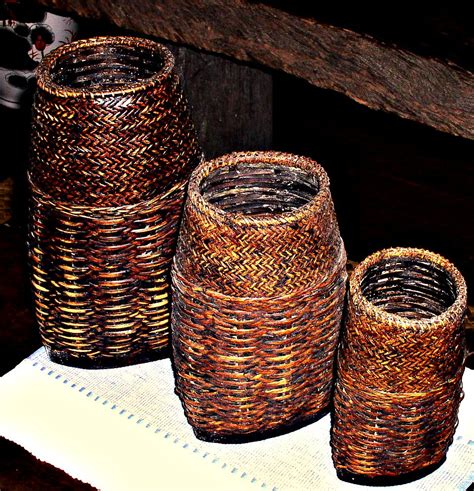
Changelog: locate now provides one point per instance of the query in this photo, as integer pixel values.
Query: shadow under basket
(258, 287)
(400, 366)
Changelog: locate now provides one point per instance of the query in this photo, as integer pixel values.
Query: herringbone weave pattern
(110, 123)
(258, 288)
(400, 365)
(112, 149)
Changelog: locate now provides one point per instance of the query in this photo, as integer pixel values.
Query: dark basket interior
(259, 189)
(411, 288)
(106, 66)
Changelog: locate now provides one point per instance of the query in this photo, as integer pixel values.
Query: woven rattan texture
(236, 254)
(112, 148)
(254, 326)
(110, 123)
(400, 365)
(101, 278)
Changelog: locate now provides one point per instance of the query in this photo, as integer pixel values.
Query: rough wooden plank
(373, 74)
(231, 102)
(442, 31)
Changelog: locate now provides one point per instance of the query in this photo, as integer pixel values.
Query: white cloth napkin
(123, 429)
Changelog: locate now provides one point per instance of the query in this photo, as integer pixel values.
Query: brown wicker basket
(258, 288)
(400, 365)
(110, 123)
(112, 148)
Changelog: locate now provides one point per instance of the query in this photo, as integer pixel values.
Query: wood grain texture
(374, 74)
(443, 31)
(231, 102)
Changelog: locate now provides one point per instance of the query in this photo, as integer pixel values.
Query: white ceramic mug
(26, 37)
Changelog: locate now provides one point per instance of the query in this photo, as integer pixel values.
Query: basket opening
(256, 189)
(409, 287)
(107, 66)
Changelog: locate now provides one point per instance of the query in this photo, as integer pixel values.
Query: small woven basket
(112, 148)
(400, 365)
(258, 288)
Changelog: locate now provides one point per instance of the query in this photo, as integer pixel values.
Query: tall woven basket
(112, 148)
(400, 366)
(258, 288)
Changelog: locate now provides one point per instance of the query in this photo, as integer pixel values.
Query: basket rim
(259, 159)
(44, 70)
(454, 311)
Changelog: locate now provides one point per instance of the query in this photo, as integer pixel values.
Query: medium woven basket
(112, 148)
(258, 288)
(400, 365)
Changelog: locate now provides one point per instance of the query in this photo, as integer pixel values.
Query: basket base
(388, 480)
(63, 358)
(259, 435)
